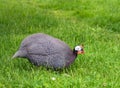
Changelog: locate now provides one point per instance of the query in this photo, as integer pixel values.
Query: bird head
(79, 49)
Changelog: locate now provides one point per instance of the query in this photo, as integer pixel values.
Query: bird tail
(19, 53)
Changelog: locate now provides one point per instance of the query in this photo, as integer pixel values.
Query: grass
(96, 24)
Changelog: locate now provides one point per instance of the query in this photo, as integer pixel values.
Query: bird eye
(81, 49)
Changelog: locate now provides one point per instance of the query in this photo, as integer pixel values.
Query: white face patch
(78, 48)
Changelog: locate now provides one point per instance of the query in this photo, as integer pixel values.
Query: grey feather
(20, 53)
(44, 50)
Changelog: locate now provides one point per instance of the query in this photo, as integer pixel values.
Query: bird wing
(50, 61)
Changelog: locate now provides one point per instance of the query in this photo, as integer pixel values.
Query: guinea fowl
(44, 50)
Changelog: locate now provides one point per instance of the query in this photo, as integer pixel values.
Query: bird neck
(72, 58)
(75, 52)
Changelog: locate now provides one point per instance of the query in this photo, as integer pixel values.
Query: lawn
(94, 23)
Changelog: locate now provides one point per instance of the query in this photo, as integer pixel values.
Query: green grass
(94, 23)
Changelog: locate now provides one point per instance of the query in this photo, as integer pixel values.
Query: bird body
(44, 50)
